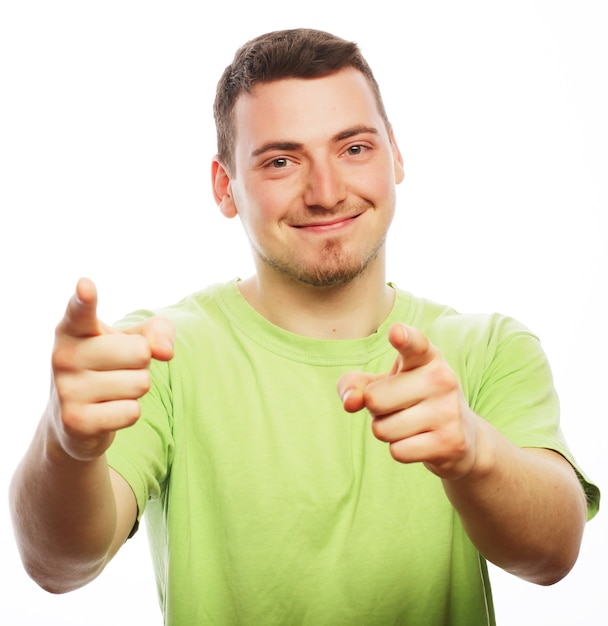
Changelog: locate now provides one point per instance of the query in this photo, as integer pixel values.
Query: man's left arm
(523, 508)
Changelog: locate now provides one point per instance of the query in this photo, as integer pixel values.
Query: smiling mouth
(333, 224)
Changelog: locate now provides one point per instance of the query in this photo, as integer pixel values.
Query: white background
(106, 135)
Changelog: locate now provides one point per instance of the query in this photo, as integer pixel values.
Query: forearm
(64, 514)
(524, 509)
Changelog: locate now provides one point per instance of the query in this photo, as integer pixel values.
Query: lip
(329, 225)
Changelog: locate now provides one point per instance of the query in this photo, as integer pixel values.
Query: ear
(220, 182)
(398, 159)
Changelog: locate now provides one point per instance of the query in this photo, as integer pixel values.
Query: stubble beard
(335, 266)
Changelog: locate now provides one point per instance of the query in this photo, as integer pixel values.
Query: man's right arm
(71, 512)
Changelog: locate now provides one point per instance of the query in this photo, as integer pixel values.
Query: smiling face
(314, 177)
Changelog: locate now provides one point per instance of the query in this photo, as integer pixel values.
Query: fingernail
(346, 394)
(165, 343)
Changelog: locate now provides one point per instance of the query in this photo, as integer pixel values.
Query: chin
(331, 268)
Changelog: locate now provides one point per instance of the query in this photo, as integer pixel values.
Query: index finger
(413, 346)
(80, 318)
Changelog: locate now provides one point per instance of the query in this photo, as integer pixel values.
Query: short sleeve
(507, 380)
(142, 453)
(517, 395)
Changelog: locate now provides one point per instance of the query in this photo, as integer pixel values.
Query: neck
(350, 311)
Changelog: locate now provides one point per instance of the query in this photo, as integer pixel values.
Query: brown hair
(297, 53)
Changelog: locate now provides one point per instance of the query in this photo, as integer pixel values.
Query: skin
(314, 187)
(524, 509)
(71, 512)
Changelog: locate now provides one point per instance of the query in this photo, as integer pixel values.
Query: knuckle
(442, 377)
(131, 412)
(394, 451)
(140, 350)
(65, 387)
(379, 430)
(142, 382)
(372, 399)
(453, 442)
(162, 325)
(75, 420)
(60, 327)
(63, 356)
(398, 451)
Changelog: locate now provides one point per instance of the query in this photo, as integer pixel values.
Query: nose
(325, 186)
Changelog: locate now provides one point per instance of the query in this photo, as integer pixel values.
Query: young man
(225, 417)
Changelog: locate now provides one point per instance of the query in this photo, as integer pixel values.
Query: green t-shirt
(266, 503)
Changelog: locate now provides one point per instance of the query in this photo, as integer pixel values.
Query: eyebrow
(288, 146)
(354, 131)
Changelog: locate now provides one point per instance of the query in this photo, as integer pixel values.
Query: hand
(99, 373)
(418, 408)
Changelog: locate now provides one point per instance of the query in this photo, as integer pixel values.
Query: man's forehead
(292, 108)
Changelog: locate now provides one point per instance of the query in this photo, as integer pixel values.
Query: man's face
(314, 177)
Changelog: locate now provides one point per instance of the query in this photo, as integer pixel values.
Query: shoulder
(444, 324)
(192, 309)
(480, 346)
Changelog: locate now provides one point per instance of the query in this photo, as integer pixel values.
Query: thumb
(351, 389)
(160, 333)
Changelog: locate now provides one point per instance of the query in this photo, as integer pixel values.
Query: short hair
(296, 53)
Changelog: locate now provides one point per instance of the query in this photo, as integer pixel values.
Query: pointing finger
(414, 348)
(80, 319)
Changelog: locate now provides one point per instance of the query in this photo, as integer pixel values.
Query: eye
(278, 163)
(355, 150)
